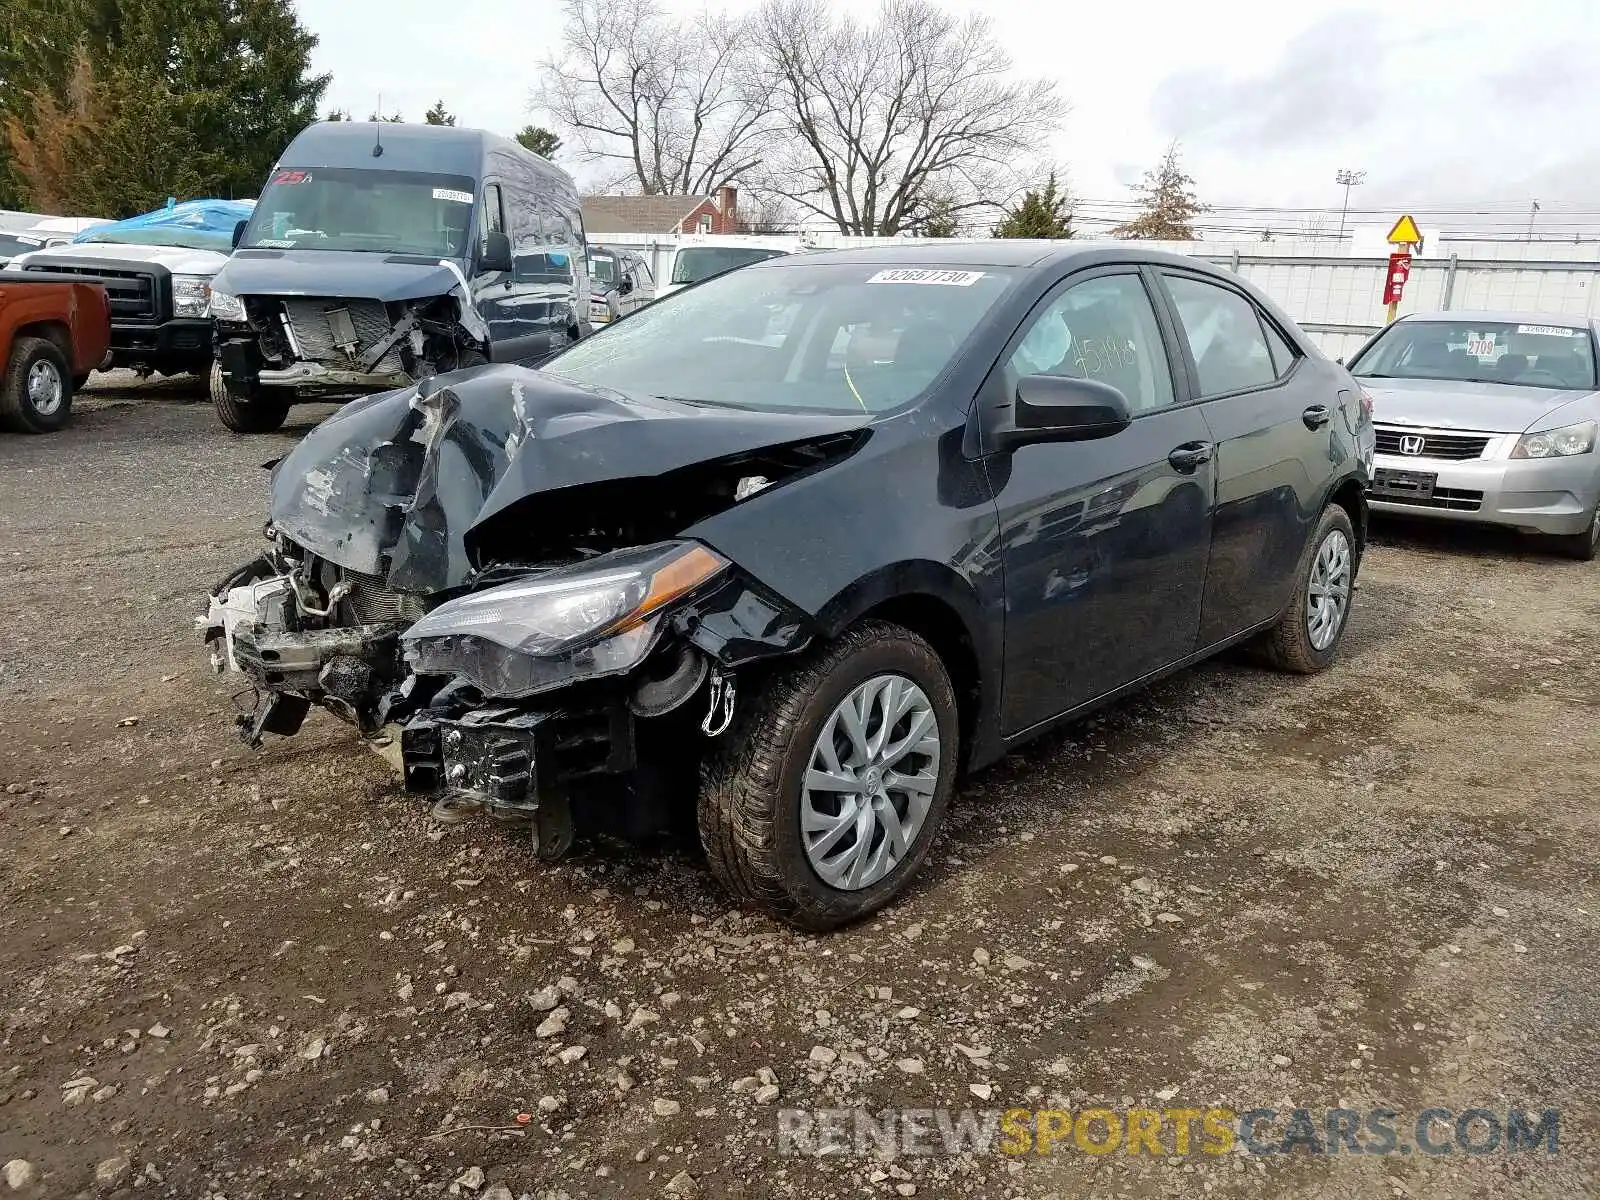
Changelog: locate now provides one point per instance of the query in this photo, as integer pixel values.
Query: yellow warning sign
(1405, 232)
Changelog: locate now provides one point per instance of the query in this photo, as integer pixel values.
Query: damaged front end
(541, 653)
(309, 348)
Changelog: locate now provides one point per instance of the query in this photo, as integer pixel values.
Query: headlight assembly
(599, 618)
(225, 306)
(191, 295)
(1556, 443)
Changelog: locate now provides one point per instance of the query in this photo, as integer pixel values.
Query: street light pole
(1349, 179)
(1532, 213)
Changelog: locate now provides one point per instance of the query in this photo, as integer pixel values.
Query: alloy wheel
(45, 388)
(869, 782)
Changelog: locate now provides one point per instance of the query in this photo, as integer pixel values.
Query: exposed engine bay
(537, 650)
(334, 346)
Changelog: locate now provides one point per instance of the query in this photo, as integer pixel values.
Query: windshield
(792, 338)
(1529, 355)
(18, 243)
(702, 262)
(342, 208)
(603, 268)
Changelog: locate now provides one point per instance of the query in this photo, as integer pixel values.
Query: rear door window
(1225, 336)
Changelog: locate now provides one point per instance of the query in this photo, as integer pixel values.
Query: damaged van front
(379, 255)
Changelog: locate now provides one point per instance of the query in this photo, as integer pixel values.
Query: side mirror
(496, 252)
(625, 286)
(1054, 408)
(238, 233)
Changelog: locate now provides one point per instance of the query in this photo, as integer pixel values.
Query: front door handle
(1190, 455)
(1316, 416)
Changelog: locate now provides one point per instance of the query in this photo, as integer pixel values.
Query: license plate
(1418, 484)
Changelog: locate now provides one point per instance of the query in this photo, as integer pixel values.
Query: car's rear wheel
(1582, 546)
(1306, 638)
(255, 415)
(36, 394)
(820, 803)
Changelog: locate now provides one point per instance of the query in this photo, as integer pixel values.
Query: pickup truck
(54, 330)
(157, 269)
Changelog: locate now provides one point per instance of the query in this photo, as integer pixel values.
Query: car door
(1269, 421)
(1104, 542)
(493, 291)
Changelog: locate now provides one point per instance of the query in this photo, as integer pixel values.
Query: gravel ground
(226, 973)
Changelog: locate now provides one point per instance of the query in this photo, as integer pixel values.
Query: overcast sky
(1465, 103)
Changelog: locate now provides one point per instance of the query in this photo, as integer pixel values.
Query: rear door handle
(1190, 455)
(1316, 416)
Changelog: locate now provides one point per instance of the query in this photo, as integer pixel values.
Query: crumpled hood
(1453, 404)
(262, 272)
(394, 485)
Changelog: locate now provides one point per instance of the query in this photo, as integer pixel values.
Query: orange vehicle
(54, 330)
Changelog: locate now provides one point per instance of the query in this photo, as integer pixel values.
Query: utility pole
(1349, 179)
(1532, 213)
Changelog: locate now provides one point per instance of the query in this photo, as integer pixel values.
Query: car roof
(993, 252)
(1503, 317)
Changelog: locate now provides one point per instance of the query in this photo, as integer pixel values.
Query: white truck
(158, 278)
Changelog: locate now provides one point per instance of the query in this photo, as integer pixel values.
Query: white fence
(1338, 298)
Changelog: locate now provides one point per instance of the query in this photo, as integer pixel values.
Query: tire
(1291, 644)
(36, 393)
(256, 415)
(1582, 546)
(752, 782)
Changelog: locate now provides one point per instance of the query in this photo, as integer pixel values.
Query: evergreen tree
(396, 119)
(1168, 204)
(166, 97)
(438, 116)
(337, 114)
(539, 140)
(1042, 214)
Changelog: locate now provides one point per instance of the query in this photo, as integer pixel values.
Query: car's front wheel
(1307, 636)
(256, 415)
(1583, 546)
(36, 393)
(821, 802)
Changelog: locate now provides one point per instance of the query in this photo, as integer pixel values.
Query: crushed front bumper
(1534, 495)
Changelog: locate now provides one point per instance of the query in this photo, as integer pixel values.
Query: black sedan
(785, 552)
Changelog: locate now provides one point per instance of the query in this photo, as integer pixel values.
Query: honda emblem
(1411, 444)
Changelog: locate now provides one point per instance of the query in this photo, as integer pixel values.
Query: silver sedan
(1488, 418)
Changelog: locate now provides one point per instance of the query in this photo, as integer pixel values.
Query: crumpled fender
(399, 485)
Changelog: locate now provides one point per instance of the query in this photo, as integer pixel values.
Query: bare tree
(764, 212)
(885, 122)
(670, 107)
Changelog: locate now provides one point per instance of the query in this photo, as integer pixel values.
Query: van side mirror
(496, 252)
(1055, 408)
(238, 232)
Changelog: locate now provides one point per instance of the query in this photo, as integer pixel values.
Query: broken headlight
(225, 306)
(560, 627)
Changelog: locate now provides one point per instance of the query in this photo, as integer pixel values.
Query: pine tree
(168, 97)
(438, 116)
(1042, 214)
(337, 114)
(1168, 204)
(539, 140)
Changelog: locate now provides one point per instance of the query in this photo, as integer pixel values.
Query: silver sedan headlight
(225, 306)
(191, 295)
(1556, 443)
(562, 626)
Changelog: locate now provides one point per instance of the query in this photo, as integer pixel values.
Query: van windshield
(702, 262)
(343, 208)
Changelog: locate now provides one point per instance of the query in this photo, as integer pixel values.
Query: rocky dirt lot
(227, 973)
